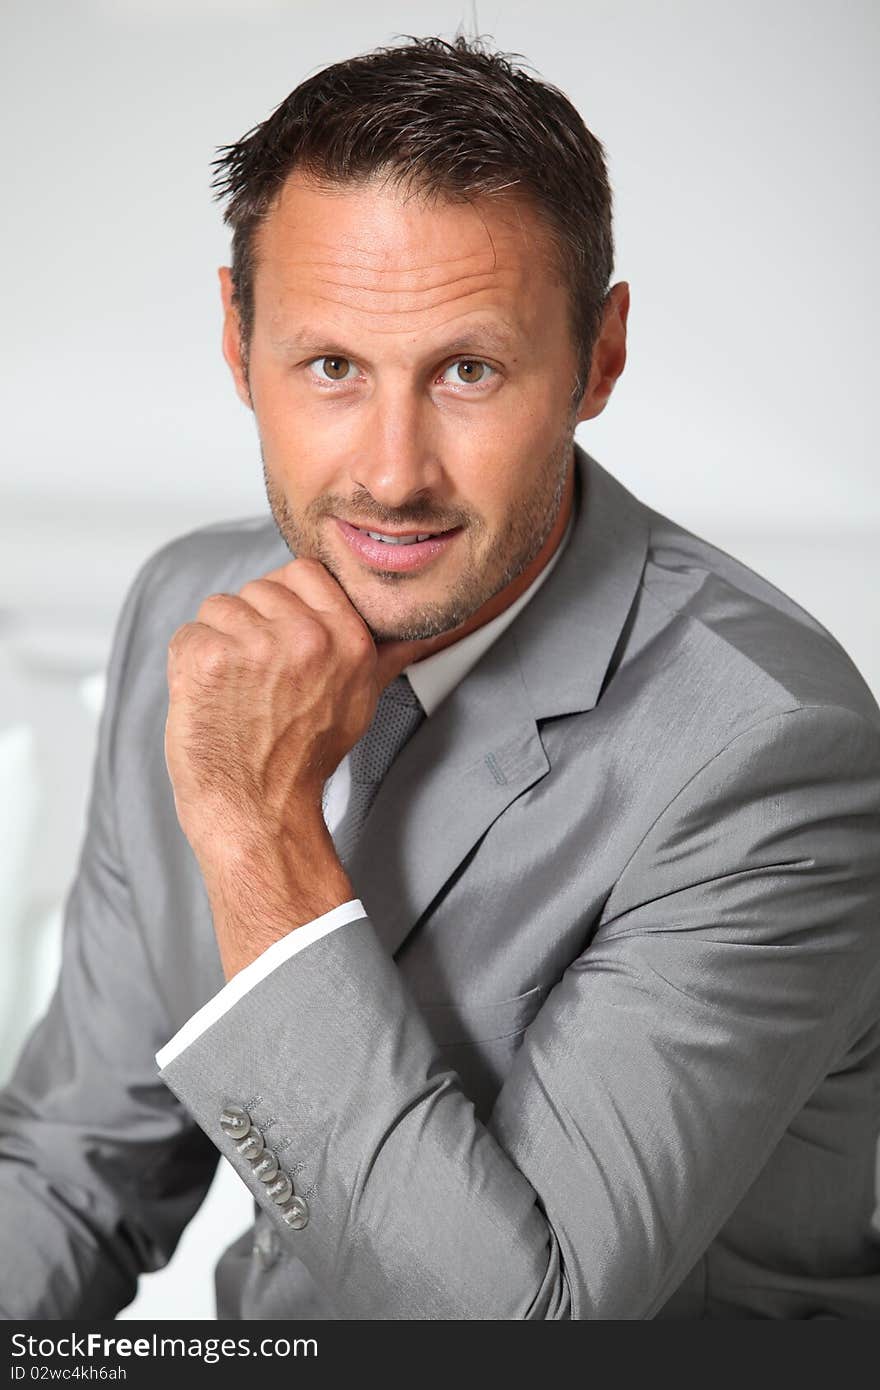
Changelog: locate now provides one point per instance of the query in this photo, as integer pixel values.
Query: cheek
(302, 448)
(280, 417)
(514, 436)
(537, 417)
(497, 456)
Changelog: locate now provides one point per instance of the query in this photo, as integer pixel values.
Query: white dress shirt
(432, 679)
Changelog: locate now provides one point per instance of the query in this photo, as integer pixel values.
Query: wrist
(262, 885)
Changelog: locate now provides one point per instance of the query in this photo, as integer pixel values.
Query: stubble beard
(512, 552)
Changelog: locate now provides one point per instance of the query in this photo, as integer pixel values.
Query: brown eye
(468, 369)
(336, 368)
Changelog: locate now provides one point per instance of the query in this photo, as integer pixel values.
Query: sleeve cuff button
(252, 1145)
(280, 1189)
(234, 1121)
(295, 1213)
(266, 1167)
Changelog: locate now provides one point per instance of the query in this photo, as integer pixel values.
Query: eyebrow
(491, 336)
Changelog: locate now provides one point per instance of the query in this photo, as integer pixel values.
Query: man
(504, 907)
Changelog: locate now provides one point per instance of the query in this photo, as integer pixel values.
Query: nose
(397, 458)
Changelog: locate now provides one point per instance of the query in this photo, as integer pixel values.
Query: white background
(741, 142)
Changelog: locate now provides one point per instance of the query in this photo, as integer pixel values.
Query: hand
(269, 689)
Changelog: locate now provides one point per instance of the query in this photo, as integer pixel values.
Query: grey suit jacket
(606, 1045)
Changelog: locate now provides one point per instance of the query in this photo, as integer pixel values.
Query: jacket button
(266, 1167)
(280, 1189)
(252, 1145)
(295, 1213)
(234, 1121)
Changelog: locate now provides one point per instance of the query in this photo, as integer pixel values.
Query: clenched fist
(268, 691)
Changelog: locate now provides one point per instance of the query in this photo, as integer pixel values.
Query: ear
(609, 353)
(232, 337)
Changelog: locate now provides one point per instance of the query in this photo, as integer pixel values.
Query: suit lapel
(463, 766)
(482, 747)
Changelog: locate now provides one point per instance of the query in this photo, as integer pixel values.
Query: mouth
(401, 551)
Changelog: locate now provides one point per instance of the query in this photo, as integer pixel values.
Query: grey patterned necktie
(398, 715)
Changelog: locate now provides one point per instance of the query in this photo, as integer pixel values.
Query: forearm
(262, 887)
(415, 1210)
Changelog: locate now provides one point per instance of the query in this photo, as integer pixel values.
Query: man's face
(411, 370)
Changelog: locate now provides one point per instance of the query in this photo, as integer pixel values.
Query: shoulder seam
(759, 723)
(694, 618)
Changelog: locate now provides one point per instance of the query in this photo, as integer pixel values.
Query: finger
(273, 600)
(197, 645)
(228, 613)
(313, 583)
(187, 636)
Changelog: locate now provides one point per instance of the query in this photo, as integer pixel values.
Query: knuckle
(179, 640)
(262, 645)
(216, 603)
(253, 586)
(258, 591)
(314, 640)
(213, 658)
(196, 652)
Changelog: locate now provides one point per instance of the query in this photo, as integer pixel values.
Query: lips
(401, 553)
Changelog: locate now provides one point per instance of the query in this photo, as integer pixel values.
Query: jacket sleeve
(734, 955)
(100, 1167)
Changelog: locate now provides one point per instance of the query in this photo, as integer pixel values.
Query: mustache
(362, 504)
(368, 514)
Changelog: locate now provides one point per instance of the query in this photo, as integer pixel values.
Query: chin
(394, 611)
(411, 623)
(418, 626)
(403, 631)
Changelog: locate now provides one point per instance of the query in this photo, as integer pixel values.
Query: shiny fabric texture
(606, 1043)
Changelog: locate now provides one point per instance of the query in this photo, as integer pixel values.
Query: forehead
(401, 262)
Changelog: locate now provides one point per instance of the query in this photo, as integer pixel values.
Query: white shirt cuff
(258, 969)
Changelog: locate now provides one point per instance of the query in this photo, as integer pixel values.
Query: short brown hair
(447, 118)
